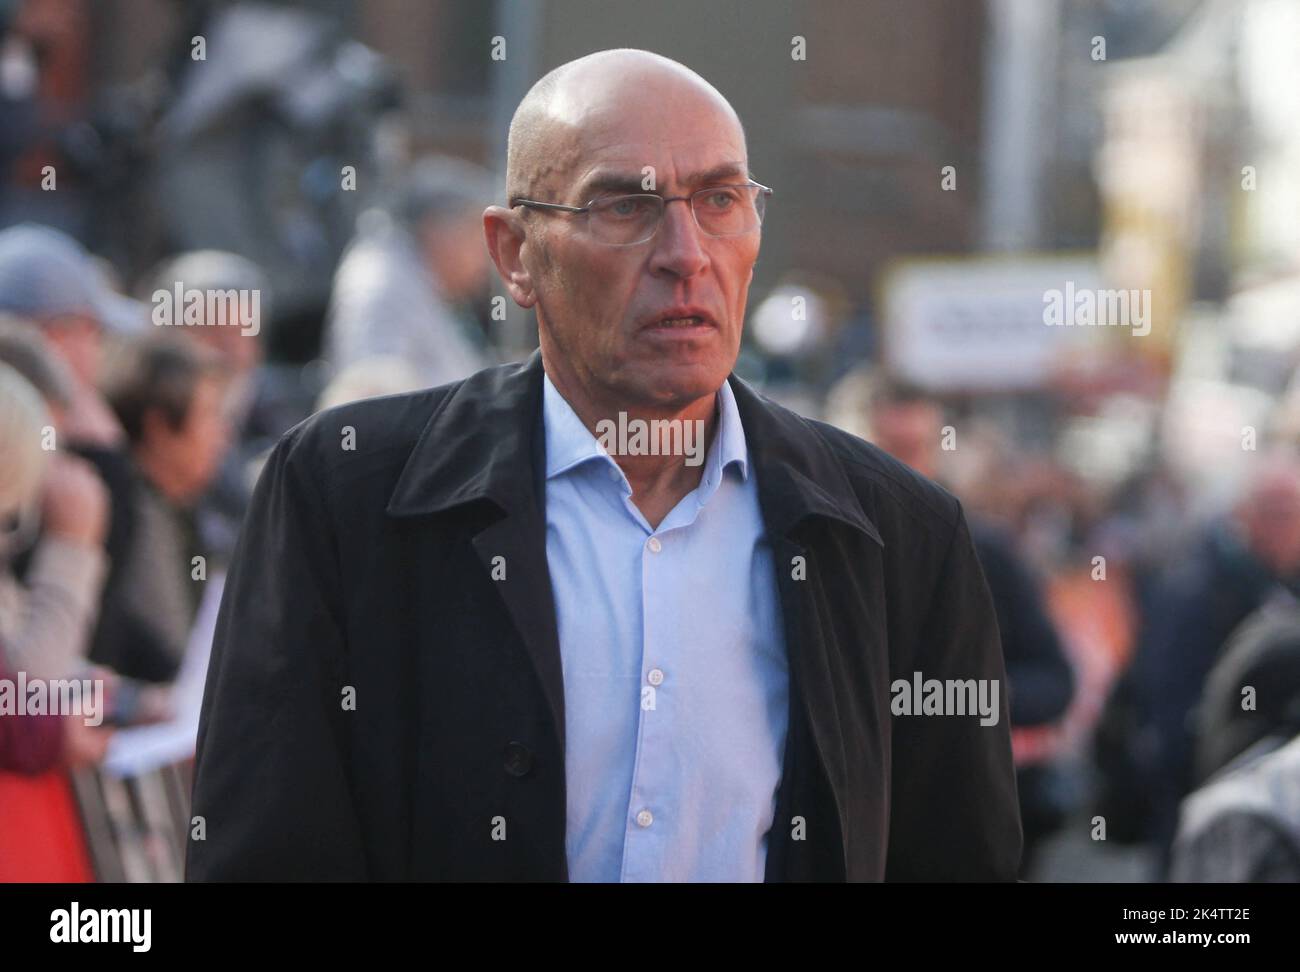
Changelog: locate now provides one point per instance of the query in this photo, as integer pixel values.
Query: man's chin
(680, 385)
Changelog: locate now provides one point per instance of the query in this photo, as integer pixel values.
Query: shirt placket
(649, 815)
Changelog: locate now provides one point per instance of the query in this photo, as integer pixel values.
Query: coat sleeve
(954, 814)
(57, 603)
(271, 781)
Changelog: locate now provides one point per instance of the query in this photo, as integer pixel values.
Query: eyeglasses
(719, 211)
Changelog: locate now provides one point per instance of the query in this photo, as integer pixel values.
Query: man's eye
(626, 207)
(721, 199)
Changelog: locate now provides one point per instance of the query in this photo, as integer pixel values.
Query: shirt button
(614, 474)
(518, 759)
(654, 545)
(645, 818)
(655, 676)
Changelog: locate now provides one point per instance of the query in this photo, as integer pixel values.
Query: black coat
(370, 570)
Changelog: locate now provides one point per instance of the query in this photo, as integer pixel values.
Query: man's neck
(659, 478)
(659, 482)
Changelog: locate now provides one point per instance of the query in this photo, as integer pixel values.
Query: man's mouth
(682, 318)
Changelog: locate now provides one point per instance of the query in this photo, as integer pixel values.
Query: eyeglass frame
(559, 207)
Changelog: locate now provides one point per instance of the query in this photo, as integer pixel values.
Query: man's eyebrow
(610, 182)
(727, 170)
(625, 182)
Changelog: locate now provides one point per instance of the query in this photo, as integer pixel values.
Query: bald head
(651, 324)
(543, 149)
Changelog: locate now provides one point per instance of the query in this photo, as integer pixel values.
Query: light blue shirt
(676, 684)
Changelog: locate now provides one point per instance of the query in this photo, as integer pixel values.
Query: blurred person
(40, 834)
(48, 281)
(907, 422)
(23, 350)
(1238, 563)
(234, 333)
(47, 615)
(504, 599)
(402, 284)
(44, 52)
(31, 744)
(369, 378)
(48, 620)
(238, 340)
(170, 397)
(42, 837)
(1243, 822)
(46, 277)
(52, 581)
(1253, 691)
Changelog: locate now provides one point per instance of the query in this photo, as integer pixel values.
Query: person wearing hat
(49, 283)
(47, 278)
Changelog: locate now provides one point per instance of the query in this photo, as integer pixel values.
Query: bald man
(609, 614)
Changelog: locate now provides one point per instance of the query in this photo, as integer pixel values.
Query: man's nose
(678, 248)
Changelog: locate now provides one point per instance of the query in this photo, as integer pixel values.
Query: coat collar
(488, 429)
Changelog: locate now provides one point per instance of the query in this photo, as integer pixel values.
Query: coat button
(519, 759)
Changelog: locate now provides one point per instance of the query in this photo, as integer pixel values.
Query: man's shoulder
(358, 441)
(893, 495)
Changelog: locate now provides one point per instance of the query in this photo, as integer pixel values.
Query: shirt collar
(477, 435)
(569, 443)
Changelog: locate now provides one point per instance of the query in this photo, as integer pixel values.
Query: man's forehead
(680, 151)
(649, 170)
(612, 134)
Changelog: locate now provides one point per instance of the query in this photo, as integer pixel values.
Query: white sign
(983, 324)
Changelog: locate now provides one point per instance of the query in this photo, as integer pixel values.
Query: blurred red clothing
(41, 836)
(28, 743)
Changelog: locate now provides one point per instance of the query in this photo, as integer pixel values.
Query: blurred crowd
(1151, 627)
(1152, 649)
(132, 428)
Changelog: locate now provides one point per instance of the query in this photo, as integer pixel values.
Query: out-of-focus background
(1044, 251)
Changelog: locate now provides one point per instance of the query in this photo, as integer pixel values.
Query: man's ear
(504, 231)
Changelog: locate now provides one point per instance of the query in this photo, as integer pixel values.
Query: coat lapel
(800, 478)
(477, 449)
